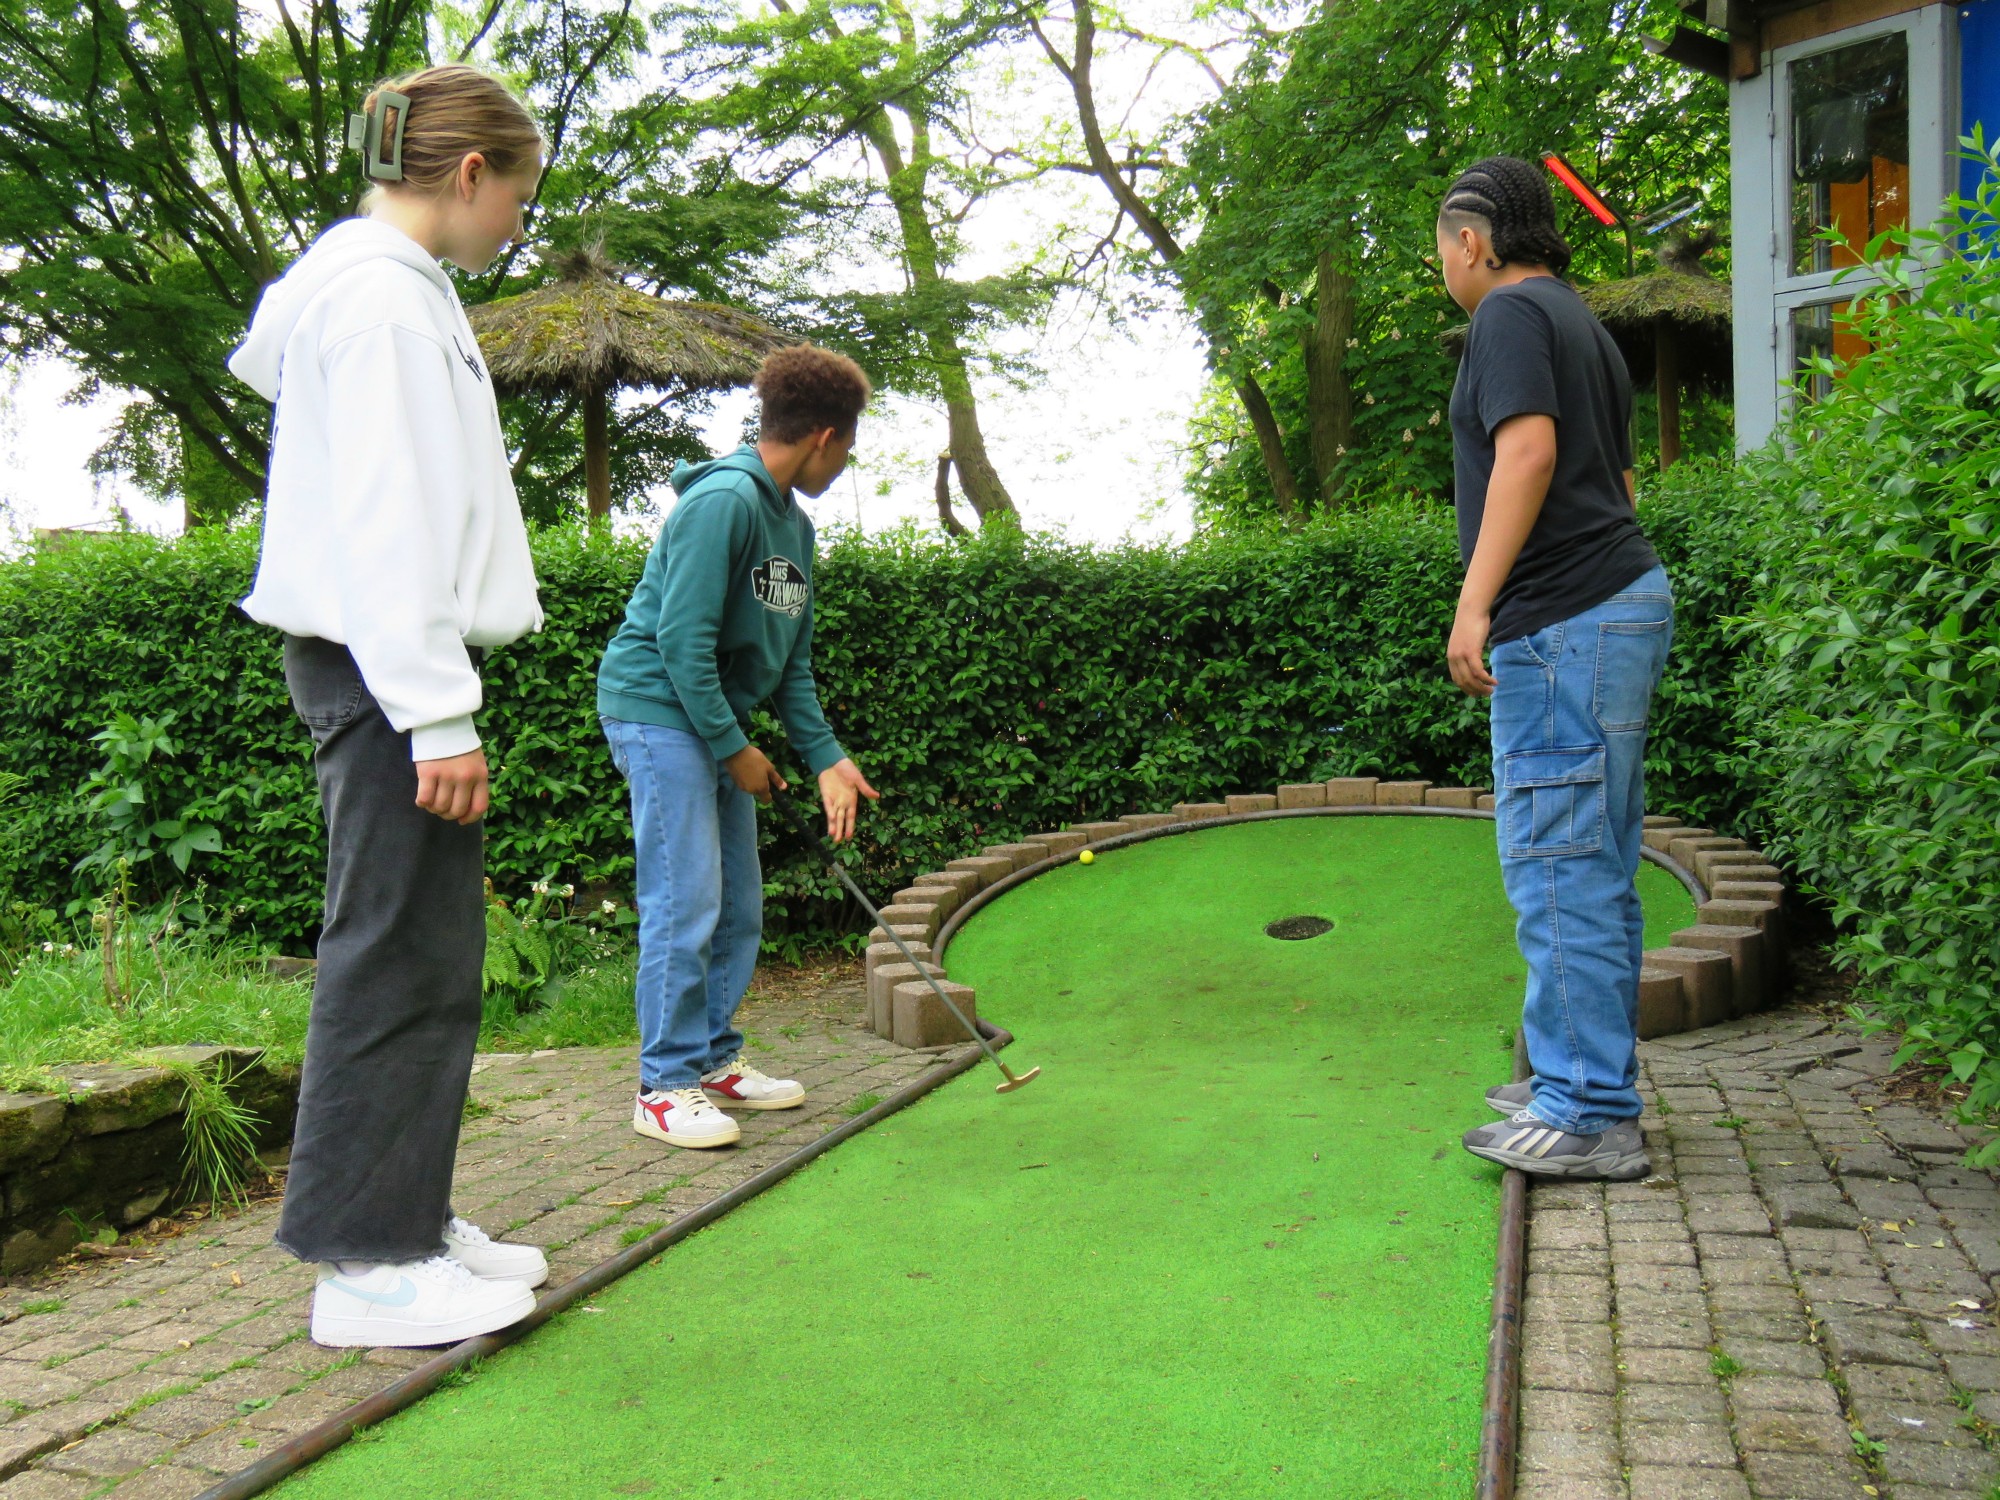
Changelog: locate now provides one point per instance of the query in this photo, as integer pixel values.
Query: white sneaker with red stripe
(683, 1117)
(737, 1085)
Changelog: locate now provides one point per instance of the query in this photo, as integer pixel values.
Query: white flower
(1395, 333)
(241, 909)
(1436, 417)
(527, 921)
(1369, 399)
(48, 947)
(1409, 436)
(539, 888)
(1354, 343)
(569, 890)
(69, 948)
(607, 907)
(1340, 450)
(592, 931)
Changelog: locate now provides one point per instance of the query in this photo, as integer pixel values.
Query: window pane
(1822, 331)
(1850, 148)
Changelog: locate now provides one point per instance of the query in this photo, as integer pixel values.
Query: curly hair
(806, 389)
(1512, 199)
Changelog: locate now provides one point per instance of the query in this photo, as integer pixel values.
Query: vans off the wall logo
(780, 585)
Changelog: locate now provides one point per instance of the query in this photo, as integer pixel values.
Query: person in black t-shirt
(1562, 585)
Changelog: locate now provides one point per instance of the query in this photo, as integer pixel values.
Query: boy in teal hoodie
(722, 620)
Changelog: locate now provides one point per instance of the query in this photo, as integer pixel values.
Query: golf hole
(1297, 929)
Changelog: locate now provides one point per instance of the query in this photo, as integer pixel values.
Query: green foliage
(122, 801)
(220, 1132)
(1315, 180)
(1872, 703)
(991, 687)
(535, 947)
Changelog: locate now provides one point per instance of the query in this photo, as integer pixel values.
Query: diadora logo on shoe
(404, 1293)
(780, 584)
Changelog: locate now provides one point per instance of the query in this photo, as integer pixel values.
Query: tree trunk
(1076, 72)
(1329, 394)
(950, 520)
(1667, 385)
(1271, 443)
(597, 454)
(976, 474)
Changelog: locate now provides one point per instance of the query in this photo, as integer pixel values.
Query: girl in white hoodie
(393, 556)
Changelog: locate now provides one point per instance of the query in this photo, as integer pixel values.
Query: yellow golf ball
(1086, 858)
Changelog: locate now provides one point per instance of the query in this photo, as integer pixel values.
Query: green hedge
(989, 687)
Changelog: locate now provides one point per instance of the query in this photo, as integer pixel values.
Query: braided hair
(1512, 197)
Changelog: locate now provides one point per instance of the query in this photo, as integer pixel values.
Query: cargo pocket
(1554, 802)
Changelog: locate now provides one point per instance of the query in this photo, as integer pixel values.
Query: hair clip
(378, 135)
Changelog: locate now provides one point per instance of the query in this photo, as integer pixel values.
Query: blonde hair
(454, 111)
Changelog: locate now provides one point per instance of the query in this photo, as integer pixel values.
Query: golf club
(1014, 1080)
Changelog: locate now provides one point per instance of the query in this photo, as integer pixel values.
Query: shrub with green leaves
(989, 686)
(1872, 703)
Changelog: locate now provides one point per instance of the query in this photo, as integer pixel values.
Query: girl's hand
(454, 788)
(1466, 655)
(841, 788)
(752, 770)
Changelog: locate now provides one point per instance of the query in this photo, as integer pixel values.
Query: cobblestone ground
(149, 1378)
(1799, 1305)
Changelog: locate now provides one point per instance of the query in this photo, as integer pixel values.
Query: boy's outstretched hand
(841, 788)
(454, 788)
(751, 769)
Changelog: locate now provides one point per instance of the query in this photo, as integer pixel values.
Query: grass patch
(860, 1104)
(46, 1305)
(186, 988)
(475, 1109)
(1731, 1122)
(638, 1232)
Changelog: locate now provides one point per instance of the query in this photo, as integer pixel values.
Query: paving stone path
(149, 1378)
(1808, 1263)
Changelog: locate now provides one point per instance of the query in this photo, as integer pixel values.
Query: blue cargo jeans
(1569, 717)
(701, 900)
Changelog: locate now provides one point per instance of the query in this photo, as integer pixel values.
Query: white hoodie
(392, 525)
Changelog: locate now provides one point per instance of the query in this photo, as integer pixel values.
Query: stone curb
(109, 1150)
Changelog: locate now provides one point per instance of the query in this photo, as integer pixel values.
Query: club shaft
(922, 968)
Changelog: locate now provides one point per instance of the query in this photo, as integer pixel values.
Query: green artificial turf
(1226, 1245)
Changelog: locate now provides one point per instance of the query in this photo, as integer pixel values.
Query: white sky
(1094, 449)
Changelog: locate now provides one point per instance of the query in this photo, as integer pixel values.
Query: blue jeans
(701, 900)
(1569, 749)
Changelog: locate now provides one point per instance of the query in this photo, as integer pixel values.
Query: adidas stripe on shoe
(1541, 1150)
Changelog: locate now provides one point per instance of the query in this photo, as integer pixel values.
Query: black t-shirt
(1534, 347)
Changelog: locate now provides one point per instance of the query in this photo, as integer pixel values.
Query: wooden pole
(597, 454)
(1667, 385)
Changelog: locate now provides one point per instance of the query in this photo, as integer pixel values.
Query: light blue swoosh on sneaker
(404, 1294)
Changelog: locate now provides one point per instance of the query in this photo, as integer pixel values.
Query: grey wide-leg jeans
(396, 1003)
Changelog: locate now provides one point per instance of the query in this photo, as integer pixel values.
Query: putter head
(1015, 1080)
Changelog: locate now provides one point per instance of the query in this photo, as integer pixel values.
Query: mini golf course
(1227, 1245)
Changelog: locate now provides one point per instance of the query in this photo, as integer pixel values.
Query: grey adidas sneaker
(1511, 1098)
(1541, 1150)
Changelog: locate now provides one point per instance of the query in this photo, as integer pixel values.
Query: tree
(1295, 210)
(167, 158)
(819, 85)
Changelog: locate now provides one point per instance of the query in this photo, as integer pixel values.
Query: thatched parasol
(1675, 320)
(587, 332)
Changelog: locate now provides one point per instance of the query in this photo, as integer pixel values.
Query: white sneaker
(419, 1302)
(489, 1260)
(683, 1117)
(737, 1083)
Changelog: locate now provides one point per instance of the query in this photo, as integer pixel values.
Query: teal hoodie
(722, 618)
